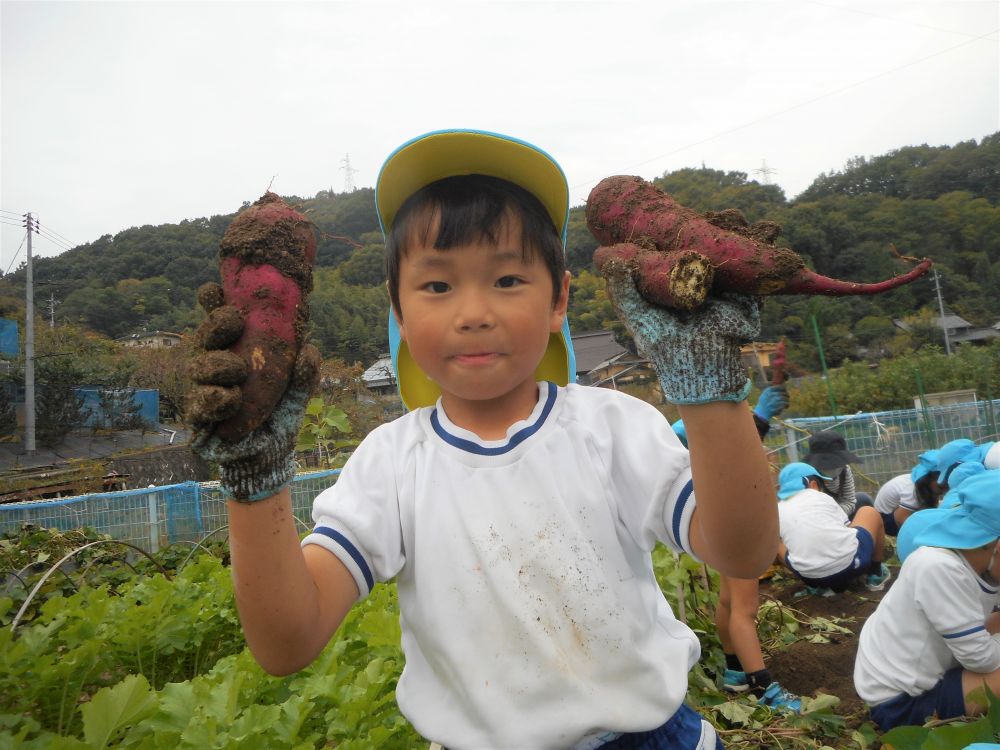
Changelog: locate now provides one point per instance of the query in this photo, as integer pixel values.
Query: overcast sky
(124, 114)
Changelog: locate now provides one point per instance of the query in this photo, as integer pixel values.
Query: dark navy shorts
(858, 566)
(944, 700)
(685, 730)
(889, 521)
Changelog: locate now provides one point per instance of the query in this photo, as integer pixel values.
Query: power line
(16, 252)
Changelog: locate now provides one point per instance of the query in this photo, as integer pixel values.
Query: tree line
(935, 201)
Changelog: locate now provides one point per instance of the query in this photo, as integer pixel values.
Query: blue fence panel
(154, 517)
(147, 399)
(9, 343)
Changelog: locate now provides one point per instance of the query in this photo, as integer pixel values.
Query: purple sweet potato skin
(266, 260)
(626, 211)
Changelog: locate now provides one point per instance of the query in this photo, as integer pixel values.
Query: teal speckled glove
(696, 354)
(263, 462)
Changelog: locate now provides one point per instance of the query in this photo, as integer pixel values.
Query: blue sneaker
(735, 681)
(779, 699)
(875, 582)
(823, 591)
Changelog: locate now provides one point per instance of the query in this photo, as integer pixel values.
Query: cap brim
(913, 527)
(448, 153)
(954, 530)
(416, 389)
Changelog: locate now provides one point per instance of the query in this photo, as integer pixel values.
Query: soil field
(808, 668)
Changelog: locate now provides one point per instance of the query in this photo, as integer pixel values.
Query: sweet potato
(677, 256)
(265, 261)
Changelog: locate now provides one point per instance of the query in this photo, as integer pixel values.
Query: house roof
(950, 321)
(594, 349)
(379, 373)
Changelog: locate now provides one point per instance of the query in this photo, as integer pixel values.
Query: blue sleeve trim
(344, 542)
(962, 633)
(679, 506)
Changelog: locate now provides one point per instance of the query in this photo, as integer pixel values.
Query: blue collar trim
(515, 440)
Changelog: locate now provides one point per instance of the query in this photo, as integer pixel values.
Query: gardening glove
(696, 354)
(262, 462)
(772, 401)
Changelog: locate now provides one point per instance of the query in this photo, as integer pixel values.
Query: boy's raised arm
(290, 601)
(697, 359)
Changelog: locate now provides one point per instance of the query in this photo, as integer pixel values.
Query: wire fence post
(826, 372)
(154, 523)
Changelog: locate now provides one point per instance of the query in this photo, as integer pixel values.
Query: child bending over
(515, 510)
(818, 544)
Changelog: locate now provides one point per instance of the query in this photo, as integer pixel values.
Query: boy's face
(477, 317)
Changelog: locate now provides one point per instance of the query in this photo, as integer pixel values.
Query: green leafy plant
(320, 429)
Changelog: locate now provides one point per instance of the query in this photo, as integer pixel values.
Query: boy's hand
(261, 463)
(772, 401)
(696, 354)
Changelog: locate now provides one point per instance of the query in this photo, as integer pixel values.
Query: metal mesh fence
(888, 442)
(154, 517)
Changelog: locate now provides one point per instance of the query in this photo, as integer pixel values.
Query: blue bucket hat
(795, 478)
(448, 153)
(950, 455)
(926, 463)
(914, 526)
(965, 470)
(974, 523)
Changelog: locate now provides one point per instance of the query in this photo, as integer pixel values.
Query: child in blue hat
(929, 645)
(908, 493)
(818, 542)
(916, 523)
(515, 510)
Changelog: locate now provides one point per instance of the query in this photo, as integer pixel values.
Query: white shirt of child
(814, 530)
(529, 610)
(898, 492)
(931, 620)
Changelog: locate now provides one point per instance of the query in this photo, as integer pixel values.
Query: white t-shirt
(898, 492)
(814, 530)
(931, 620)
(530, 614)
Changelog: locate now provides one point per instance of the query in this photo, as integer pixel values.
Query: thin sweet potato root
(677, 256)
(265, 261)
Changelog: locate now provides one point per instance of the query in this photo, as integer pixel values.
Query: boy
(818, 543)
(515, 510)
(931, 642)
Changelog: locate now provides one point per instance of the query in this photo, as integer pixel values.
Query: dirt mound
(806, 668)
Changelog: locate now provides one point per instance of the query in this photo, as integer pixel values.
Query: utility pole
(944, 327)
(29, 346)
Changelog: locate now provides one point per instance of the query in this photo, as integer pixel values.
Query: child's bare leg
(744, 603)
(972, 681)
(869, 519)
(723, 615)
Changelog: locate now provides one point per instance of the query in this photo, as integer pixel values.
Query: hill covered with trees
(940, 202)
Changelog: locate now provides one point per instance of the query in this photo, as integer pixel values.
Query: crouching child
(932, 642)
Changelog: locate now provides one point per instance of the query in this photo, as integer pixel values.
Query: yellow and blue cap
(795, 478)
(449, 153)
